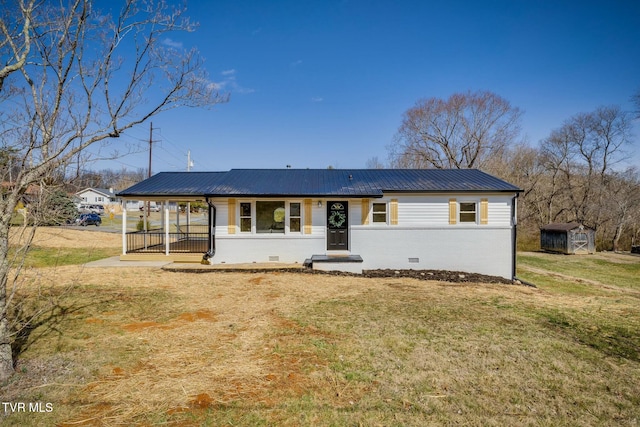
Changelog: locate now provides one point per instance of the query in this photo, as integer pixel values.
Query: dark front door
(337, 226)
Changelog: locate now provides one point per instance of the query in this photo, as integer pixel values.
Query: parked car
(89, 219)
(96, 209)
(152, 208)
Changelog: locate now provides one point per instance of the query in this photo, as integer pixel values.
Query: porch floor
(188, 246)
(171, 263)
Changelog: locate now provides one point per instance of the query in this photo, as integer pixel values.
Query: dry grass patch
(142, 346)
(57, 246)
(64, 237)
(150, 347)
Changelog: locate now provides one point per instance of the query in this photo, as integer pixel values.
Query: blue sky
(320, 83)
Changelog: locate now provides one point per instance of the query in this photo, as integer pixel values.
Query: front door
(337, 226)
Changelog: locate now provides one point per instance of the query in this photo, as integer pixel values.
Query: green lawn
(39, 257)
(609, 269)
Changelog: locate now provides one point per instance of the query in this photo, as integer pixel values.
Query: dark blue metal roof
(316, 183)
(174, 184)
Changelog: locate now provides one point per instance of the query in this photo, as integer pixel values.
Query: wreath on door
(336, 219)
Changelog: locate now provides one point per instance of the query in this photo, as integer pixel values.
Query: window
(270, 217)
(380, 212)
(294, 217)
(245, 217)
(468, 212)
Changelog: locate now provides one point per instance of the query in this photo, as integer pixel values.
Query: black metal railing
(185, 239)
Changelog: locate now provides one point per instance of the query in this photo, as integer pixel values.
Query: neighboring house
(461, 220)
(105, 197)
(100, 196)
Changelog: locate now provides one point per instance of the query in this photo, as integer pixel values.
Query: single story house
(336, 219)
(97, 196)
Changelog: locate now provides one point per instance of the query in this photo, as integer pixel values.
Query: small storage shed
(568, 238)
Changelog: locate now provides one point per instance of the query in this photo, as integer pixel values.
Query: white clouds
(230, 83)
(172, 43)
(296, 63)
(317, 99)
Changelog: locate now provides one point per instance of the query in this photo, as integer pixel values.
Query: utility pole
(148, 204)
(188, 209)
(150, 144)
(189, 162)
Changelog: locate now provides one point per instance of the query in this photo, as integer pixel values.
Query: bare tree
(74, 77)
(635, 98)
(464, 131)
(580, 157)
(374, 163)
(623, 203)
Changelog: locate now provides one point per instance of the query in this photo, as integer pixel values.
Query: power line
(201, 160)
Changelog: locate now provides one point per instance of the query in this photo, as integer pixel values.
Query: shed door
(580, 243)
(337, 226)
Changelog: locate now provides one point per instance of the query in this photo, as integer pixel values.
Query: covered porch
(174, 232)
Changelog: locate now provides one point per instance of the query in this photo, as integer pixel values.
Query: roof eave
(159, 196)
(456, 191)
(295, 196)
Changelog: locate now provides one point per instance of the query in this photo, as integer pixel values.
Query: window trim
(287, 219)
(251, 217)
(461, 212)
(288, 216)
(386, 213)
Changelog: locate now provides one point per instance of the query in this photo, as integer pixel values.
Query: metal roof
(563, 226)
(174, 184)
(104, 191)
(316, 183)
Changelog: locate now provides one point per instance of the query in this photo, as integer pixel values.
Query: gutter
(514, 239)
(212, 233)
(514, 216)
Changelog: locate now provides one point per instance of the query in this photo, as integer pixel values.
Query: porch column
(124, 228)
(163, 221)
(177, 218)
(166, 228)
(188, 217)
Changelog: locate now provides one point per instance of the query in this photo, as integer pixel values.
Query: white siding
(222, 217)
(423, 238)
(434, 210)
(249, 248)
(92, 197)
(319, 219)
(425, 210)
(499, 211)
(485, 250)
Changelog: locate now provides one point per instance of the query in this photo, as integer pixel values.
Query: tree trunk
(616, 237)
(6, 356)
